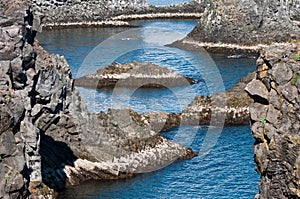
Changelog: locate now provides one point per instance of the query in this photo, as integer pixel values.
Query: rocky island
(232, 106)
(133, 75)
(244, 26)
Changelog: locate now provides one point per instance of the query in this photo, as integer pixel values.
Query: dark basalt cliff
(275, 121)
(47, 137)
(248, 22)
(275, 113)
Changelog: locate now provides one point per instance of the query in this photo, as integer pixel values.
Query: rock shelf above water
(228, 109)
(135, 75)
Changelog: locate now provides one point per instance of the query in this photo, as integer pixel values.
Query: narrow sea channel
(226, 172)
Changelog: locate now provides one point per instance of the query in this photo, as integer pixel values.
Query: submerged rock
(133, 75)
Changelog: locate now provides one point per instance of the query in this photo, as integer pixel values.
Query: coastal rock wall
(15, 55)
(58, 11)
(71, 13)
(275, 121)
(248, 22)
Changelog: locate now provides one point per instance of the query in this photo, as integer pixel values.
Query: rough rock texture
(229, 108)
(133, 74)
(63, 13)
(107, 13)
(57, 11)
(275, 121)
(234, 105)
(16, 56)
(47, 137)
(248, 22)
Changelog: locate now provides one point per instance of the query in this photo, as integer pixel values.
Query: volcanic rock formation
(133, 75)
(275, 121)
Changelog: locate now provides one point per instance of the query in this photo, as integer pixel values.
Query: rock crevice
(275, 121)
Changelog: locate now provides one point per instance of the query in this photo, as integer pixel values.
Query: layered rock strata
(275, 121)
(189, 43)
(133, 75)
(228, 108)
(48, 139)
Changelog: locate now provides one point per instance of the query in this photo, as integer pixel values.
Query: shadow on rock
(55, 155)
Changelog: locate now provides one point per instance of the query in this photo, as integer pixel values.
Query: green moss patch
(295, 79)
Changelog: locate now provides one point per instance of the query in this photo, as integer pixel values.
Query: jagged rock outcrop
(47, 137)
(247, 22)
(17, 59)
(228, 108)
(233, 105)
(275, 121)
(133, 75)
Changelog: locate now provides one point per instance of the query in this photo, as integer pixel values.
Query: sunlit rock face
(80, 10)
(248, 22)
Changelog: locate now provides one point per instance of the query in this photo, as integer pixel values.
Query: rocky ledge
(229, 108)
(133, 75)
(189, 43)
(243, 26)
(275, 121)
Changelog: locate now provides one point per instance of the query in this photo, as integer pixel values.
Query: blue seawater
(167, 2)
(227, 171)
(90, 49)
